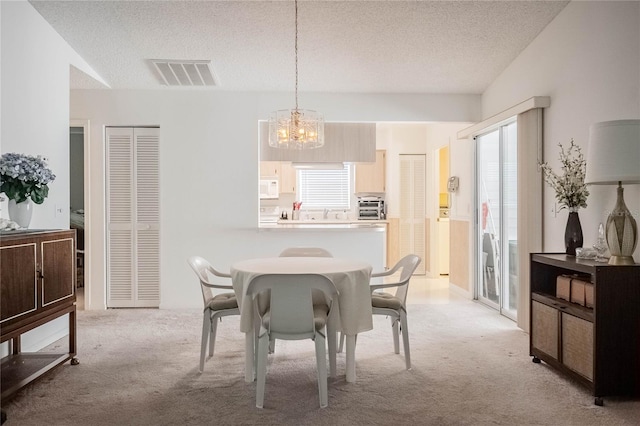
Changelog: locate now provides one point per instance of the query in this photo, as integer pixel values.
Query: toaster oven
(371, 208)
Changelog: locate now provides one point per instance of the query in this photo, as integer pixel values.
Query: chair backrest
(203, 270)
(407, 266)
(305, 252)
(291, 302)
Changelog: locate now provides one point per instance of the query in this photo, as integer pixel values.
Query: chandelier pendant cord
(296, 128)
(296, 53)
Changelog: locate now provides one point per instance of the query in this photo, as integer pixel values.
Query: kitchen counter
(328, 221)
(326, 225)
(365, 240)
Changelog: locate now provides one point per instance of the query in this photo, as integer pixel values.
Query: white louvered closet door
(133, 220)
(412, 207)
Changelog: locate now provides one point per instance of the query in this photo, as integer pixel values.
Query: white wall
(35, 104)
(588, 61)
(35, 101)
(461, 159)
(35, 116)
(209, 166)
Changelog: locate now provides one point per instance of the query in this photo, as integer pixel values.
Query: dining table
(354, 313)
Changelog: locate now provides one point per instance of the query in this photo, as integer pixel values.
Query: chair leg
(272, 346)
(256, 333)
(341, 344)
(206, 324)
(405, 338)
(212, 338)
(321, 360)
(396, 335)
(331, 343)
(263, 347)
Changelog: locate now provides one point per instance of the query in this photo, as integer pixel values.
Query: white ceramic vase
(21, 213)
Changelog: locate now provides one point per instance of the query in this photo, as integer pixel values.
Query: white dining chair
(313, 252)
(215, 307)
(305, 252)
(394, 305)
(292, 315)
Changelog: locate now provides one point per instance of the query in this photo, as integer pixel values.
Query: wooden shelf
(18, 370)
(565, 306)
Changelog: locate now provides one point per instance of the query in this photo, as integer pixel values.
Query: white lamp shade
(614, 153)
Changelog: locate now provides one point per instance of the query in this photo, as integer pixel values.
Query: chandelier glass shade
(296, 128)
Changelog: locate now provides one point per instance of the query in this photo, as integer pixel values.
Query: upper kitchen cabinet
(283, 171)
(344, 142)
(269, 169)
(287, 178)
(371, 177)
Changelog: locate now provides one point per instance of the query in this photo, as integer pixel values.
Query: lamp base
(621, 260)
(622, 232)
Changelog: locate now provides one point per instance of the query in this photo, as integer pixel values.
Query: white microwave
(269, 189)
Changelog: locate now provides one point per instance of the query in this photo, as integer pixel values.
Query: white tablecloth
(351, 278)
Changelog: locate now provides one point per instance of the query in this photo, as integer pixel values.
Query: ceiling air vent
(185, 73)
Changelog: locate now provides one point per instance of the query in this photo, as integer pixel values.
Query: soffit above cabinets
(343, 142)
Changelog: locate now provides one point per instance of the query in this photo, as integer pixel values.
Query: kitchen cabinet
(285, 173)
(372, 177)
(595, 346)
(287, 178)
(37, 283)
(269, 169)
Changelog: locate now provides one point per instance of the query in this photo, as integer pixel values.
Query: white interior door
(412, 207)
(133, 218)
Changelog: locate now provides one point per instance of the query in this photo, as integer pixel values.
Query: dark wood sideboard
(37, 285)
(597, 346)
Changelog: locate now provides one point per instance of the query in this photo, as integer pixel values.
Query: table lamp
(614, 158)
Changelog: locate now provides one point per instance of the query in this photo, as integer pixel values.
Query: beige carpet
(470, 367)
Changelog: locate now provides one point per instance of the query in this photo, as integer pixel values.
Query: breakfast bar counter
(365, 240)
(325, 226)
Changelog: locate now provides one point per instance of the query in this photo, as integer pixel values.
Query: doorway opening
(443, 211)
(79, 202)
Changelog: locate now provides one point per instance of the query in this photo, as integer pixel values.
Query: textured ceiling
(344, 46)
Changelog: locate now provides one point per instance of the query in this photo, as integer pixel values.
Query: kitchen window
(325, 189)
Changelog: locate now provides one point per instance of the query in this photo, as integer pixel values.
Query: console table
(37, 283)
(597, 346)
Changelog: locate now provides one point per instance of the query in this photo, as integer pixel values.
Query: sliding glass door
(496, 230)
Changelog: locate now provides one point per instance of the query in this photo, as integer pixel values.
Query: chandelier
(296, 128)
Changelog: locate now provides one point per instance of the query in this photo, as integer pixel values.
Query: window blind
(325, 189)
